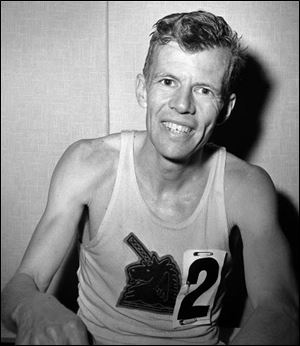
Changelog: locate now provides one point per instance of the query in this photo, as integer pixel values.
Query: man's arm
(269, 276)
(34, 315)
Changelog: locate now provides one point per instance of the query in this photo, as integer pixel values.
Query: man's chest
(174, 206)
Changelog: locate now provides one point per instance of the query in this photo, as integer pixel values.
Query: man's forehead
(172, 51)
(171, 58)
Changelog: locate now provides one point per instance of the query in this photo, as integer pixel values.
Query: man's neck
(163, 175)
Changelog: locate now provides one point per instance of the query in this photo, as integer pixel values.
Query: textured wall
(53, 92)
(56, 60)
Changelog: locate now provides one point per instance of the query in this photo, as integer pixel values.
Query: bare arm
(270, 281)
(34, 315)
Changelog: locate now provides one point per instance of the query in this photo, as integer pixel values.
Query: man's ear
(140, 90)
(227, 109)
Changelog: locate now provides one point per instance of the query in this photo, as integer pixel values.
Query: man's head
(187, 81)
(194, 32)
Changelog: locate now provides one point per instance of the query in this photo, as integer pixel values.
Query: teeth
(175, 128)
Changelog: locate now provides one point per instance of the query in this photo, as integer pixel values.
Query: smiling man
(162, 205)
(183, 96)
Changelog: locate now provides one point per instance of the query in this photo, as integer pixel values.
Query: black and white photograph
(149, 173)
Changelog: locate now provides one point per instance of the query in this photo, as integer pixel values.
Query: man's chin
(179, 157)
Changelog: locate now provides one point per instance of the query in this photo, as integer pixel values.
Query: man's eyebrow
(163, 74)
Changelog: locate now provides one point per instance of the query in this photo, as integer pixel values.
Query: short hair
(194, 32)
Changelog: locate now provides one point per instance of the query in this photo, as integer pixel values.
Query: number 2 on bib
(201, 278)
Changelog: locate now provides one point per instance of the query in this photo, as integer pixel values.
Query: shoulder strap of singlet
(127, 138)
(218, 187)
(218, 180)
(126, 148)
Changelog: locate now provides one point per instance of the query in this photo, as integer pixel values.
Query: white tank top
(143, 280)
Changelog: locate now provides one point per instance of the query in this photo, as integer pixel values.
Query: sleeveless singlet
(143, 280)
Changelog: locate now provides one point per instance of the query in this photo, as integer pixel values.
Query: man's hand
(42, 320)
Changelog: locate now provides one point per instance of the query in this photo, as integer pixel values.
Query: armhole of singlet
(125, 140)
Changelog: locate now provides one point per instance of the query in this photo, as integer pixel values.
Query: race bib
(200, 281)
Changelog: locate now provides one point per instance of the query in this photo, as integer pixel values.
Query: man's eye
(167, 82)
(204, 91)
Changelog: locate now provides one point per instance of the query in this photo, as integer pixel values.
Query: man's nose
(182, 101)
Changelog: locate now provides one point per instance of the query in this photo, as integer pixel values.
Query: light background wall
(68, 72)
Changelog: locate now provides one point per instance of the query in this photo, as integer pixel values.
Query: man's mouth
(176, 128)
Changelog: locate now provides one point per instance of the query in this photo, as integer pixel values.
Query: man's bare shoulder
(247, 185)
(85, 164)
(95, 153)
(239, 171)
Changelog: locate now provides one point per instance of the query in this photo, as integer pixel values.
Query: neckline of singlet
(157, 220)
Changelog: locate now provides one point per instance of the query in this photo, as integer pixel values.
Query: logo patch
(152, 283)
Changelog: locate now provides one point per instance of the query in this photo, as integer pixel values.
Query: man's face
(183, 98)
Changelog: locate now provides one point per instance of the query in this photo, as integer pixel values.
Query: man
(162, 204)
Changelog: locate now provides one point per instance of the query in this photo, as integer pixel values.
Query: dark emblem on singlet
(153, 282)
